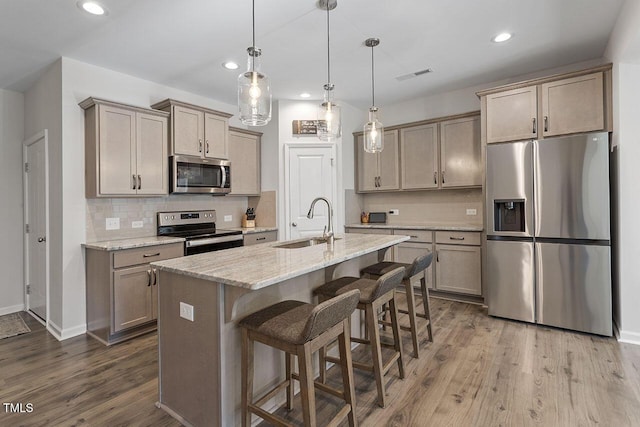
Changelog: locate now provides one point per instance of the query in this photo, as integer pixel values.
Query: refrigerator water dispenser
(509, 215)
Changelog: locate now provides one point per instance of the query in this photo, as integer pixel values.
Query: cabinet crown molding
(91, 101)
(163, 105)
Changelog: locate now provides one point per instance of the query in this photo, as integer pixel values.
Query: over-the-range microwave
(195, 175)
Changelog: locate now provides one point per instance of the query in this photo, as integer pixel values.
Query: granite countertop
(423, 226)
(137, 242)
(259, 266)
(253, 230)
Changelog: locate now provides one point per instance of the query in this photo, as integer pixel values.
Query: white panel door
(310, 173)
(35, 216)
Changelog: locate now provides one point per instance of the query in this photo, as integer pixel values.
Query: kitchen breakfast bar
(202, 298)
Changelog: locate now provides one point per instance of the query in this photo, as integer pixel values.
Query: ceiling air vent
(414, 74)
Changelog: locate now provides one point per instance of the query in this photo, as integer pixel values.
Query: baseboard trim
(63, 334)
(628, 337)
(11, 309)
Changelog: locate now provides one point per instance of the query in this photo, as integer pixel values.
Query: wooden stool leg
(288, 368)
(371, 314)
(396, 335)
(246, 377)
(411, 309)
(307, 388)
(344, 342)
(427, 307)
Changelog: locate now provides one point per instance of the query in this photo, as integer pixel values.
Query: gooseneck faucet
(328, 229)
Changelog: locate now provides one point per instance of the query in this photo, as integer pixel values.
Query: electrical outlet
(186, 311)
(137, 224)
(394, 211)
(228, 218)
(112, 223)
(472, 212)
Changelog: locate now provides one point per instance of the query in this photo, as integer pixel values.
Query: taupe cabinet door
(573, 105)
(132, 297)
(460, 153)
(367, 167)
(512, 115)
(117, 148)
(188, 131)
(458, 269)
(388, 159)
(244, 153)
(419, 148)
(407, 252)
(151, 154)
(216, 141)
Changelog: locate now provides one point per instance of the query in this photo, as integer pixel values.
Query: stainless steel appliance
(199, 230)
(190, 174)
(548, 232)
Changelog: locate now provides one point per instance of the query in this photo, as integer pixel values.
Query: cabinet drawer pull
(199, 146)
(435, 177)
(534, 125)
(134, 182)
(150, 255)
(149, 277)
(546, 123)
(207, 144)
(437, 256)
(443, 177)
(139, 182)
(413, 237)
(455, 238)
(154, 272)
(261, 238)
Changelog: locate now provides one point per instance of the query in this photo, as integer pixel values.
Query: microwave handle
(224, 176)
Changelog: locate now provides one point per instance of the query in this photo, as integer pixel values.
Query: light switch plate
(186, 311)
(472, 212)
(112, 223)
(228, 218)
(137, 224)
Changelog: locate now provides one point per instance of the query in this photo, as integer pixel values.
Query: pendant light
(373, 129)
(329, 113)
(254, 91)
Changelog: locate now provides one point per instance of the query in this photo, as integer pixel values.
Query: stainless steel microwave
(195, 175)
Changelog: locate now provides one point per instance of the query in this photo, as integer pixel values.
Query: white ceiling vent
(414, 74)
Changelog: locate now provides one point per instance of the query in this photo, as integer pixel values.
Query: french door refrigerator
(548, 233)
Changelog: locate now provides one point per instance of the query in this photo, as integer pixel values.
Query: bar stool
(373, 295)
(419, 265)
(300, 329)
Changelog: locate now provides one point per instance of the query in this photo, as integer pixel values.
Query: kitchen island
(201, 299)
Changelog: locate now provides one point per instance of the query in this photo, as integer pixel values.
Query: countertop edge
(132, 243)
(432, 227)
(253, 230)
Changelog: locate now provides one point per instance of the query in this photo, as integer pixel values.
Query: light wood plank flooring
(480, 371)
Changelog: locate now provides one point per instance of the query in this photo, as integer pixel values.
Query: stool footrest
(271, 393)
(323, 387)
(340, 416)
(273, 419)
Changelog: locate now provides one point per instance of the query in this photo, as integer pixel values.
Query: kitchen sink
(304, 243)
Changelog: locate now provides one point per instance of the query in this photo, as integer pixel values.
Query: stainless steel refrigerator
(548, 233)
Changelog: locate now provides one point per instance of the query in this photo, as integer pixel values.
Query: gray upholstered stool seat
(299, 329)
(374, 294)
(414, 271)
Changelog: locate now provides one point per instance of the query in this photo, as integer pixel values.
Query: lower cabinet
(456, 266)
(122, 299)
(260, 237)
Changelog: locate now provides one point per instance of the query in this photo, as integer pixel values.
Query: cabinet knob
(294, 224)
(42, 239)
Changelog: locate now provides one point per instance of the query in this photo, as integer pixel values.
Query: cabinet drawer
(425, 236)
(458, 237)
(147, 254)
(255, 238)
(368, 230)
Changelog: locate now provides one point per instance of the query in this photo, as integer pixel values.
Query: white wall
(11, 208)
(42, 111)
(624, 50)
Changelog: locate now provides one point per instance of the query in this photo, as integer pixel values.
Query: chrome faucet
(328, 229)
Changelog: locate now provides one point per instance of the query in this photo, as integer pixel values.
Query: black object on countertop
(250, 214)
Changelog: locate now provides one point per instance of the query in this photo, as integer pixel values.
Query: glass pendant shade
(254, 92)
(373, 133)
(329, 127)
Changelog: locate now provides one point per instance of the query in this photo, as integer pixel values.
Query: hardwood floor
(479, 371)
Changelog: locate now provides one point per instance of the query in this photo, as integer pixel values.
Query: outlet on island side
(394, 211)
(472, 212)
(186, 311)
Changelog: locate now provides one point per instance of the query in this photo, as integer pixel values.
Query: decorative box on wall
(306, 127)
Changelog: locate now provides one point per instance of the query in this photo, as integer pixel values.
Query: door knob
(294, 224)
(42, 239)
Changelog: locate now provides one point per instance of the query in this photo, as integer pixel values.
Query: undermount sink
(304, 243)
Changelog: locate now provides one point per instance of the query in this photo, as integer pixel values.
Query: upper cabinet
(379, 171)
(558, 105)
(197, 131)
(244, 153)
(436, 154)
(125, 150)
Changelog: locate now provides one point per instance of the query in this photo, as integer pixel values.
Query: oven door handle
(213, 240)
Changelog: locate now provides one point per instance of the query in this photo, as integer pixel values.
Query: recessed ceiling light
(502, 37)
(305, 95)
(230, 65)
(92, 7)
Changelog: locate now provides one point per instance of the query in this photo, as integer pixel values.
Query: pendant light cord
(373, 86)
(328, 48)
(253, 33)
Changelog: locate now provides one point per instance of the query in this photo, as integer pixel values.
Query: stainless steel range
(199, 230)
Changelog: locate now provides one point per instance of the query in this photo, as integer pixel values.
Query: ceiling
(182, 43)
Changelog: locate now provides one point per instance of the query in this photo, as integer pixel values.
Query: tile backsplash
(145, 209)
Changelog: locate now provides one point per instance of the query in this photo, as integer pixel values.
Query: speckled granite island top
(137, 242)
(259, 266)
(432, 227)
